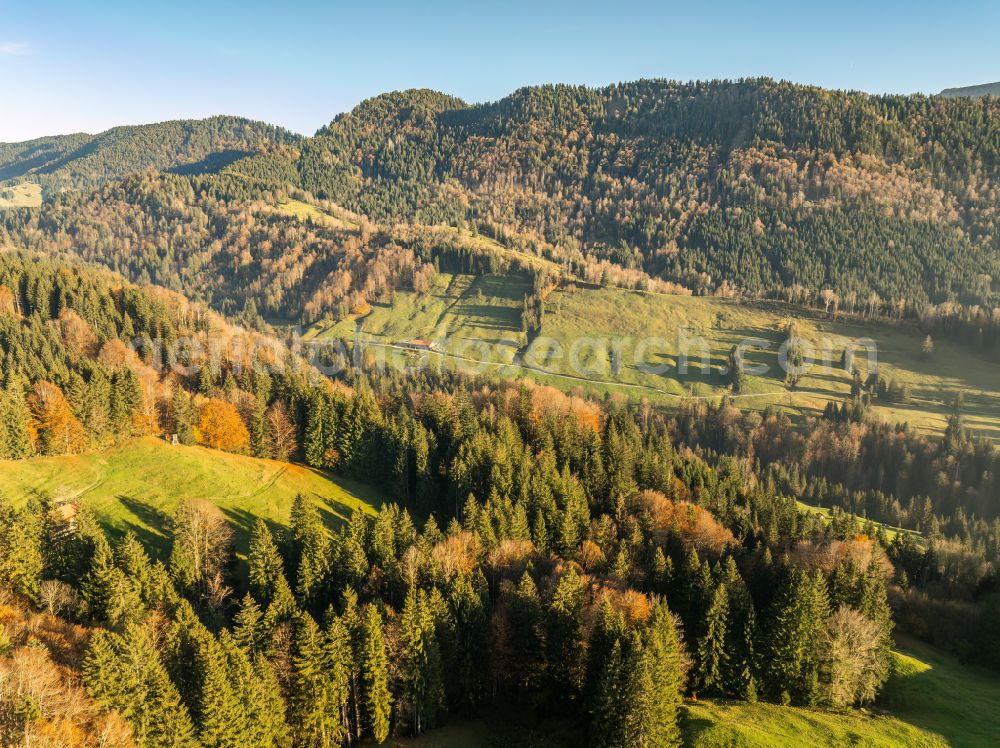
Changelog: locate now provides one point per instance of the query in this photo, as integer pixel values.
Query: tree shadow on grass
(154, 530)
(242, 523)
(335, 515)
(926, 698)
(693, 727)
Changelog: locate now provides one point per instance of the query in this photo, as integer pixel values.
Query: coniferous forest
(582, 565)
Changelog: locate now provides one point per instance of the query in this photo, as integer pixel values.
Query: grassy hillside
(731, 724)
(933, 691)
(137, 486)
(722, 323)
(931, 700)
(475, 312)
(306, 211)
(23, 195)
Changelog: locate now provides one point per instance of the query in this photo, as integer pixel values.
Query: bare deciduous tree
(56, 596)
(202, 546)
(853, 664)
(280, 432)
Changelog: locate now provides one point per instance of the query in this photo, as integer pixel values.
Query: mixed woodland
(590, 560)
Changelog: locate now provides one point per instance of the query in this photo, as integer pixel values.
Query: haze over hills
(985, 89)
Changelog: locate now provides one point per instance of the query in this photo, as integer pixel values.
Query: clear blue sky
(72, 65)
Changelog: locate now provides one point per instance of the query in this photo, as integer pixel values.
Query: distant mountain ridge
(81, 160)
(756, 185)
(984, 89)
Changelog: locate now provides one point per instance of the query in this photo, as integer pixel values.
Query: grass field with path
(715, 325)
(477, 316)
(592, 338)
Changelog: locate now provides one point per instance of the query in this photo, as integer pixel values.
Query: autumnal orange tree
(53, 427)
(221, 427)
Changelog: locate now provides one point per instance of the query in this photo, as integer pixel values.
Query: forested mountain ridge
(756, 186)
(984, 89)
(592, 559)
(82, 160)
(223, 241)
(757, 183)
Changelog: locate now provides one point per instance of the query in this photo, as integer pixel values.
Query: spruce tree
(132, 559)
(114, 598)
(744, 669)
(528, 631)
(375, 677)
(124, 672)
(21, 550)
(873, 602)
(423, 685)
(801, 610)
(315, 708)
(271, 703)
(267, 569)
(667, 677)
(467, 655)
(257, 423)
(565, 656)
(311, 552)
(15, 442)
(248, 629)
(340, 667)
(313, 446)
(126, 397)
(219, 714)
(182, 416)
(608, 707)
(713, 657)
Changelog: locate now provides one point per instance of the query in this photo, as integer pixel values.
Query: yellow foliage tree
(221, 427)
(53, 427)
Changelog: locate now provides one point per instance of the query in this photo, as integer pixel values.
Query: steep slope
(138, 486)
(756, 183)
(222, 241)
(768, 188)
(193, 146)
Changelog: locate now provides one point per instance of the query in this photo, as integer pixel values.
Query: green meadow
(479, 317)
(930, 700)
(933, 691)
(138, 486)
(22, 195)
(709, 327)
(306, 211)
(609, 339)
